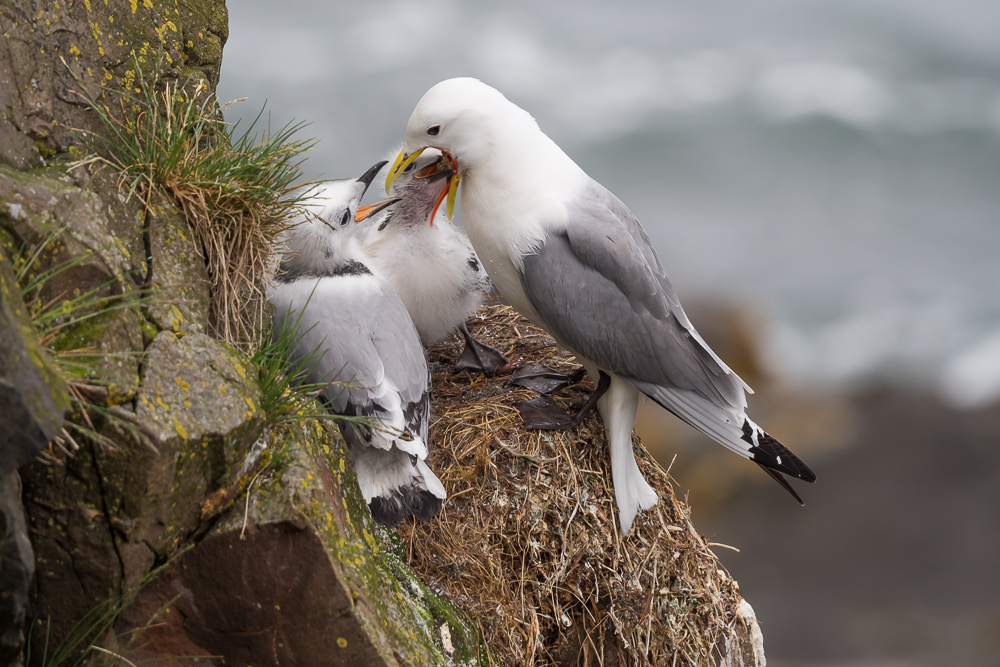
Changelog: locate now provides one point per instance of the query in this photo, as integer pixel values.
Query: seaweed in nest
(528, 540)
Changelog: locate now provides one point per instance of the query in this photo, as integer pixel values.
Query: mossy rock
(50, 52)
(102, 520)
(180, 298)
(33, 397)
(299, 574)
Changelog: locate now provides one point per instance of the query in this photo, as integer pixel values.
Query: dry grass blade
(528, 542)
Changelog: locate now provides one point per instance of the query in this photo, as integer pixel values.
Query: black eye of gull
(344, 219)
(433, 130)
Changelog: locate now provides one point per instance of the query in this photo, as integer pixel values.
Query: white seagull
(429, 262)
(570, 256)
(350, 329)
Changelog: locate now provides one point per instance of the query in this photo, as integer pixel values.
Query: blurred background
(822, 182)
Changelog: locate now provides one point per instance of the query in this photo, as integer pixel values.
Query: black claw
(543, 379)
(479, 357)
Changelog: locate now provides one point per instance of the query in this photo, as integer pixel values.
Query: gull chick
(571, 257)
(430, 262)
(351, 330)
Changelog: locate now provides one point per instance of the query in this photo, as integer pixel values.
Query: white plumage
(429, 261)
(431, 264)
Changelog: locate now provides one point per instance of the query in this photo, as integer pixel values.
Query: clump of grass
(237, 189)
(55, 319)
(285, 396)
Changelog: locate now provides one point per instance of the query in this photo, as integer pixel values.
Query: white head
(326, 235)
(465, 119)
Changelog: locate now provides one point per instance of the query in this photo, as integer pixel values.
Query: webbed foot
(479, 357)
(543, 414)
(543, 379)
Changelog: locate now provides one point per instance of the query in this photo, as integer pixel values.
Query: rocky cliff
(262, 550)
(157, 500)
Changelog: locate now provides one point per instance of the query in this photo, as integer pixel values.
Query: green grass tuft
(237, 189)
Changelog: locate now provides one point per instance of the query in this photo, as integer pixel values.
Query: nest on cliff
(528, 541)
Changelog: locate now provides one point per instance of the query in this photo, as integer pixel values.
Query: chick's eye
(409, 167)
(344, 219)
(433, 130)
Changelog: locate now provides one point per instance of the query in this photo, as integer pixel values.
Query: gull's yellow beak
(452, 193)
(401, 162)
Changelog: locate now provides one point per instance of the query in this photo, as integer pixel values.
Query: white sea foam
(971, 378)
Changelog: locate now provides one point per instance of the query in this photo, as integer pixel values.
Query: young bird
(429, 262)
(350, 329)
(571, 257)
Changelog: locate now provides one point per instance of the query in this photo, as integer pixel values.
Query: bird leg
(542, 413)
(479, 356)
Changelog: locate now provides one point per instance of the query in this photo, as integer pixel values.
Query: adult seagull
(429, 262)
(571, 257)
(350, 329)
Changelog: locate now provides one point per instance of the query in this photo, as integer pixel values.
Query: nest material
(528, 540)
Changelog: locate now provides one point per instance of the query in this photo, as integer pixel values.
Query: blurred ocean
(834, 164)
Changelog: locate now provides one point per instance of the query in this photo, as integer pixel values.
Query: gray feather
(603, 293)
(365, 333)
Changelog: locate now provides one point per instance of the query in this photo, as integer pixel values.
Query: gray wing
(361, 337)
(603, 293)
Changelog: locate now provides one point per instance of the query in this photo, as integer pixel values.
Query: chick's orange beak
(369, 210)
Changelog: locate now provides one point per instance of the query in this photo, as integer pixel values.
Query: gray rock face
(100, 521)
(32, 396)
(17, 569)
(297, 574)
(40, 107)
(180, 298)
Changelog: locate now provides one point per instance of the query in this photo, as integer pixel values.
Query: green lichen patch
(194, 386)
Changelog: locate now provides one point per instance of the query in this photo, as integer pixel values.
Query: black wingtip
(769, 453)
(777, 477)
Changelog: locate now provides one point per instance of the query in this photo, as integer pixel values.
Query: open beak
(451, 192)
(435, 171)
(369, 175)
(371, 209)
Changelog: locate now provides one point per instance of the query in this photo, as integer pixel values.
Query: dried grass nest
(528, 541)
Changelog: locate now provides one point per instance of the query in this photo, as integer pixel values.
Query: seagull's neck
(514, 200)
